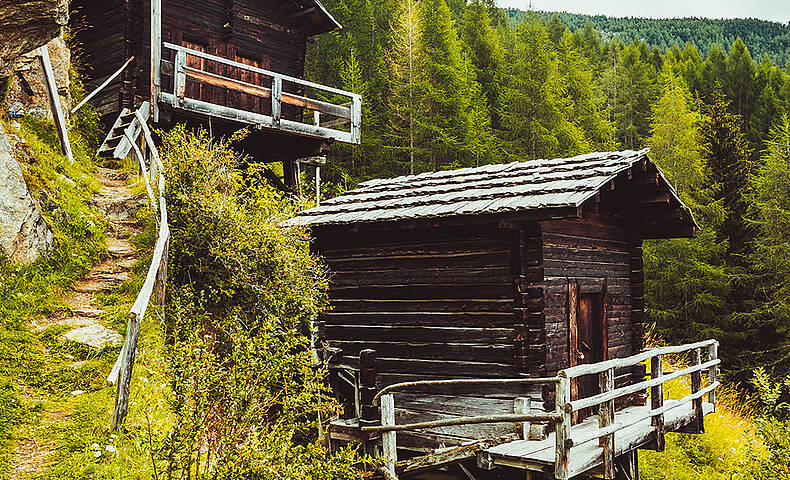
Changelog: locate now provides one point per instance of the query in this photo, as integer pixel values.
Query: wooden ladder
(124, 132)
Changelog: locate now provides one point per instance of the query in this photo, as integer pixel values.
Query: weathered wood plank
(54, 103)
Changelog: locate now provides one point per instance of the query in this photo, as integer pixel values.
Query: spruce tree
(727, 157)
(486, 55)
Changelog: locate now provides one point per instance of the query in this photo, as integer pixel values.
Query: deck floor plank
(535, 455)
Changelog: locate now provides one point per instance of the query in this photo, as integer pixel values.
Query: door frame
(573, 307)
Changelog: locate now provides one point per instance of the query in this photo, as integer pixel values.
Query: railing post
(277, 93)
(562, 426)
(156, 57)
(369, 413)
(605, 419)
(696, 386)
(388, 439)
(180, 74)
(657, 401)
(356, 118)
(522, 406)
(713, 354)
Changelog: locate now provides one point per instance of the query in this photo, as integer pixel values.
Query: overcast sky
(776, 10)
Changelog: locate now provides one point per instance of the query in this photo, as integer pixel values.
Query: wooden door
(587, 339)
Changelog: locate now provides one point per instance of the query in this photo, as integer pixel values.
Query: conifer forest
(450, 85)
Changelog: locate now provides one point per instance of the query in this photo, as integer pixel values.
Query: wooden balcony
(208, 85)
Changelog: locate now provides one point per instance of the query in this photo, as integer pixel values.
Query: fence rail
(349, 112)
(154, 178)
(609, 422)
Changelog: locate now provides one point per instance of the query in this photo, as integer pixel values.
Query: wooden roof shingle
(489, 189)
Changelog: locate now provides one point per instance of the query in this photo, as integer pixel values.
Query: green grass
(731, 448)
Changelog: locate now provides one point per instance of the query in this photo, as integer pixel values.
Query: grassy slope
(36, 376)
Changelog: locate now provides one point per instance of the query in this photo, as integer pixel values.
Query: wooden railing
(349, 112)
(154, 178)
(608, 421)
(607, 417)
(386, 400)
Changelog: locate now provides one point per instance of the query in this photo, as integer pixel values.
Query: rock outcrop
(28, 95)
(24, 234)
(26, 25)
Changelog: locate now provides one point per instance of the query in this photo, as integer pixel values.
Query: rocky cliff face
(28, 24)
(24, 235)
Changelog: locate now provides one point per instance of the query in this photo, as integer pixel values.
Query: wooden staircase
(124, 132)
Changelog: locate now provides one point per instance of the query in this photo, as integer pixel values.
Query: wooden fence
(152, 173)
(609, 421)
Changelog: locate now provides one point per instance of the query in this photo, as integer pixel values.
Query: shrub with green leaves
(241, 294)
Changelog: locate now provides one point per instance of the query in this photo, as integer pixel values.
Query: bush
(242, 293)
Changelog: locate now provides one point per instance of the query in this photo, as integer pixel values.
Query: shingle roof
(490, 189)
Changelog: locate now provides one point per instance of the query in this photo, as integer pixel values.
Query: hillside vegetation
(763, 37)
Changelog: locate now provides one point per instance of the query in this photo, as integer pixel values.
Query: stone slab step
(95, 335)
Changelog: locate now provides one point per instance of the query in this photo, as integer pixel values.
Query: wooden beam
(696, 385)
(54, 103)
(103, 85)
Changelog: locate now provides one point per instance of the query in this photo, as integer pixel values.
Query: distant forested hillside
(761, 36)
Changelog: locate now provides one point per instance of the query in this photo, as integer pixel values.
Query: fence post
(562, 426)
(713, 354)
(388, 439)
(522, 406)
(696, 386)
(657, 401)
(605, 419)
(277, 92)
(125, 374)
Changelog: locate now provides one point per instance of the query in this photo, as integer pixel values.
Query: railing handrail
(261, 71)
(593, 368)
(504, 418)
(581, 403)
(156, 270)
(461, 381)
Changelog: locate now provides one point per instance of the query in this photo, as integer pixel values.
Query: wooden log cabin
(222, 64)
(515, 273)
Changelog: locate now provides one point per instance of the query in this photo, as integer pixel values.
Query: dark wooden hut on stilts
(499, 311)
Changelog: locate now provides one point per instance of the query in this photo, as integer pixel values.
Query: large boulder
(26, 25)
(24, 234)
(28, 93)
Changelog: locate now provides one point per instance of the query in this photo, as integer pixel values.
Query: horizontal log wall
(100, 30)
(589, 250)
(431, 302)
(110, 31)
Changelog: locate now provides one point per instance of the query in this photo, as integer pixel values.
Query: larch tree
(674, 134)
(403, 100)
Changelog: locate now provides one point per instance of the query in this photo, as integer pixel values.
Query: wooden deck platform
(540, 455)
